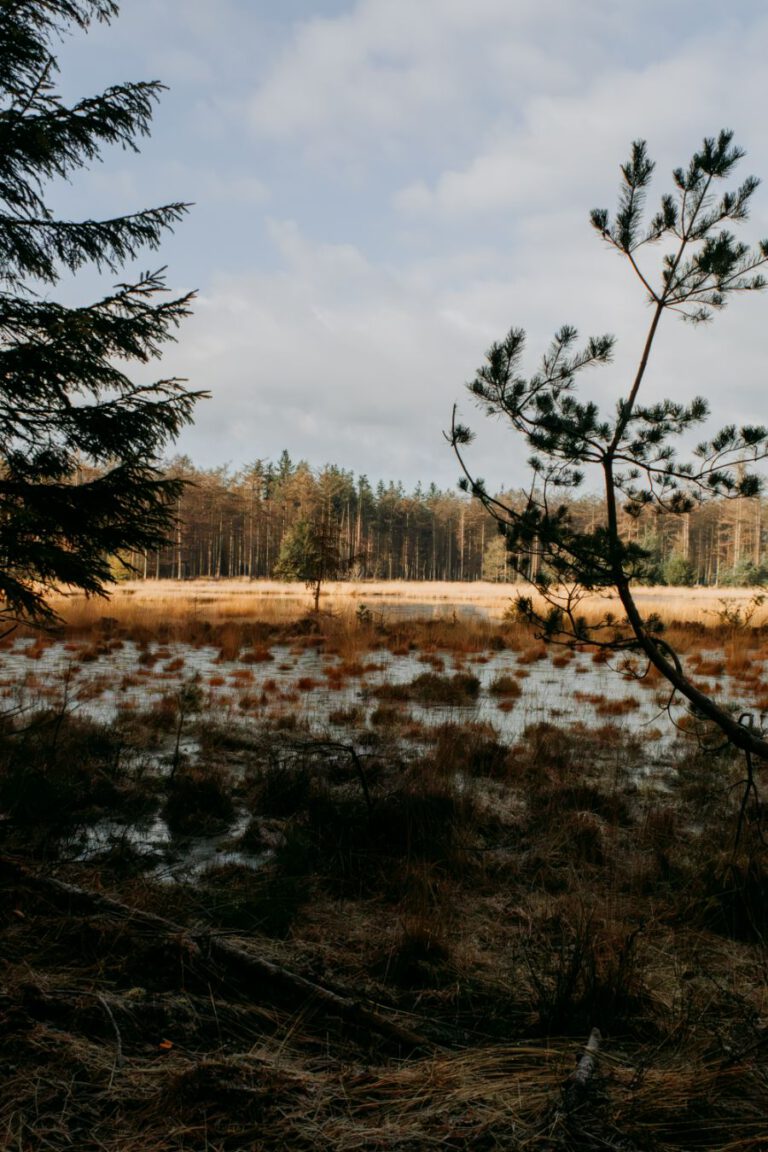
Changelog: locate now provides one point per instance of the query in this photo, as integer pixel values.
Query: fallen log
(236, 959)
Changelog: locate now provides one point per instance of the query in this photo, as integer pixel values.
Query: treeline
(233, 524)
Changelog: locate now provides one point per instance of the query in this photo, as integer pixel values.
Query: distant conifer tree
(637, 451)
(311, 551)
(79, 441)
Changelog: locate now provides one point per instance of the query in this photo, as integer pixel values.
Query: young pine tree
(636, 452)
(79, 441)
(311, 551)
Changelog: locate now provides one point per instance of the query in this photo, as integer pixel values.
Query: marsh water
(305, 689)
(128, 678)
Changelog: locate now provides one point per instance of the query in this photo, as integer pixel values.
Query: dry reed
(277, 602)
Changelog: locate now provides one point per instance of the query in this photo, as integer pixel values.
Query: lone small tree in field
(79, 441)
(311, 551)
(635, 451)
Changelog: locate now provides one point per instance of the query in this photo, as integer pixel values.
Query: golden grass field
(272, 599)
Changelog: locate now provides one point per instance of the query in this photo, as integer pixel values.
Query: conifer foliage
(312, 551)
(636, 453)
(79, 441)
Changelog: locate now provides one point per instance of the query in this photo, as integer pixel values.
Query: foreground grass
(486, 905)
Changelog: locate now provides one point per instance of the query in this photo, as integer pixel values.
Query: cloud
(339, 358)
(561, 144)
(231, 188)
(330, 356)
(385, 72)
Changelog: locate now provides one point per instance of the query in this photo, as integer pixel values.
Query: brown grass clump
(504, 685)
(354, 715)
(591, 978)
(199, 801)
(731, 896)
(88, 654)
(256, 656)
(419, 957)
(590, 697)
(533, 654)
(251, 701)
(357, 849)
(282, 789)
(470, 749)
(58, 770)
(431, 688)
(388, 716)
(617, 707)
(714, 667)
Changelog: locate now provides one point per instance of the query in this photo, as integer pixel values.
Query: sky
(382, 188)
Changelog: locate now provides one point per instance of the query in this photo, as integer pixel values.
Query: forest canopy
(233, 523)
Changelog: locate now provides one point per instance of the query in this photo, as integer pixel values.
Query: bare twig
(119, 1058)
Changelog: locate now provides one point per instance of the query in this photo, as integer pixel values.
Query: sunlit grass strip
(271, 599)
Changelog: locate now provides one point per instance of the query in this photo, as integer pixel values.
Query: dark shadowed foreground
(405, 940)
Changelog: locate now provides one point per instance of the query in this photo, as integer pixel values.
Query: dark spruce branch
(80, 443)
(637, 453)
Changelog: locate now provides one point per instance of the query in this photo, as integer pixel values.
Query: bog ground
(376, 886)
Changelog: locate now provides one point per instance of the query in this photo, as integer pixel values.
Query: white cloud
(231, 188)
(330, 357)
(560, 148)
(340, 359)
(391, 70)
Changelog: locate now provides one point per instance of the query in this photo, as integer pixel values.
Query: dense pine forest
(237, 523)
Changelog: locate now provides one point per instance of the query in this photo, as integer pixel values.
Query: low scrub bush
(355, 849)
(59, 768)
(584, 973)
(731, 896)
(469, 749)
(505, 685)
(424, 822)
(199, 800)
(239, 898)
(432, 688)
(281, 789)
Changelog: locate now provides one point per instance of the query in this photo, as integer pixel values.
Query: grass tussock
(433, 688)
(507, 686)
(199, 801)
